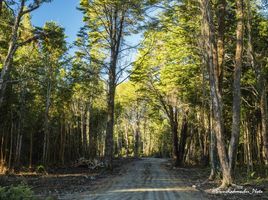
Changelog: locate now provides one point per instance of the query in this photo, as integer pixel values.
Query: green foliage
(40, 169)
(54, 43)
(16, 193)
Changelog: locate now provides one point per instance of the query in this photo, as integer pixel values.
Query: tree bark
(249, 149)
(93, 132)
(221, 11)
(137, 138)
(183, 138)
(233, 146)
(109, 141)
(31, 150)
(84, 130)
(174, 129)
(210, 46)
(46, 121)
(213, 152)
(127, 141)
(11, 144)
(264, 123)
(116, 35)
(137, 141)
(62, 140)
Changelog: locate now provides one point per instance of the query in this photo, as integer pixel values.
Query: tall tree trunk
(109, 140)
(137, 139)
(2, 160)
(264, 123)
(92, 133)
(218, 49)
(221, 11)
(18, 150)
(201, 143)
(174, 129)
(62, 140)
(127, 141)
(233, 146)
(11, 144)
(259, 142)
(213, 151)
(20, 122)
(137, 132)
(119, 142)
(46, 124)
(116, 36)
(183, 137)
(145, 145)
(249, 144)
(84, 130)
(31, 150)
(210, 46)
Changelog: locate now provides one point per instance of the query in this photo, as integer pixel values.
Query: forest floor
(144, 179)
(57, 182)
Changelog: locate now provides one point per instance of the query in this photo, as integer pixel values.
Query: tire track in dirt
(144, 179)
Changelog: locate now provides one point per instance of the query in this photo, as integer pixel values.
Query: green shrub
(41, 169)
(19, 192)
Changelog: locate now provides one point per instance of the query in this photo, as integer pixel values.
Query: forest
(181, 80)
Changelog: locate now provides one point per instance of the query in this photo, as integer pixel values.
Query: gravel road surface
(144, 179)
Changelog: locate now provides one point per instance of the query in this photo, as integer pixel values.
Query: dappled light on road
(147, 179)
(175, 189)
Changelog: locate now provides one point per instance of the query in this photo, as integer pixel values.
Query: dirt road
(145, 179)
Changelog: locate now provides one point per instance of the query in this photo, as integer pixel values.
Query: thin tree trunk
(264, 123)
(11, 144)
(119, 142)
(5, 147)
(127, 142)
(250, 150)
(20, 123)
(46, 124)
(137, 139)
(84, 131)
(2, 161)
(213, 157)
(93, 133)
(31, 150)
(145, 141)
(183, 137)
(174, 130)
(18, 150)
(221, 11)
(63, 141)
(245, 153)
(258, 143)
